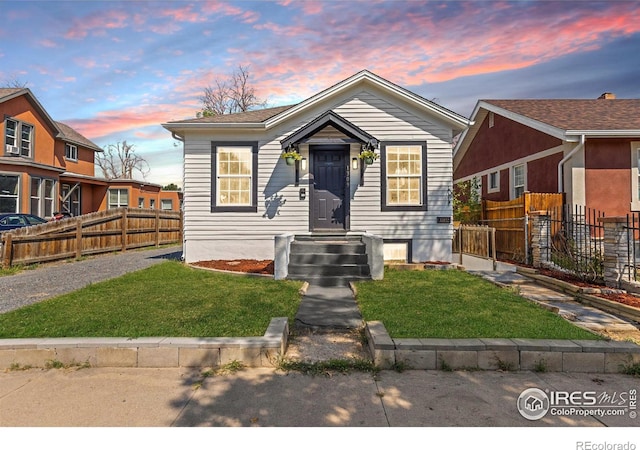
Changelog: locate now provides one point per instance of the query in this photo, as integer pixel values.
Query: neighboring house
(140, 194)
(587, 149)
(46, 166)
(239, 193)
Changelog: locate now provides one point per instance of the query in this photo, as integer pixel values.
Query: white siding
(237, 235)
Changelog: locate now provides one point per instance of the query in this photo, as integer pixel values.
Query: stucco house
(46, 166)
(240, 194)
(586, 148)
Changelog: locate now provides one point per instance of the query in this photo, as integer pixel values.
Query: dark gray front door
(328, 205)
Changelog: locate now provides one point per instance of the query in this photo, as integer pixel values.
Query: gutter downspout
(562, 162)
(178, 138)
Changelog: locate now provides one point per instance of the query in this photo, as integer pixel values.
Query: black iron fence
(633, 246)
(576, 240)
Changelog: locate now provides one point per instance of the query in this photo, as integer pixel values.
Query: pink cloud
(48, 43)
(425, 45)
(128, 120)
(97, 23)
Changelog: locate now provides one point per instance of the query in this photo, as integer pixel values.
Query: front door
(328, 190)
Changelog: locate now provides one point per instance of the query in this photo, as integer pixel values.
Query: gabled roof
(62, 131)
(264, 119)
(73, 137)
(565, 119)
(329, 119)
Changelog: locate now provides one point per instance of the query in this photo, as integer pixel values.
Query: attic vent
(607, 96)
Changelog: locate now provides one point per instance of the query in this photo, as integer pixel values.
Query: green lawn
(169, 299)
(454, 304)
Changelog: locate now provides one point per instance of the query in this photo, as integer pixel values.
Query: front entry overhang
(329, 118)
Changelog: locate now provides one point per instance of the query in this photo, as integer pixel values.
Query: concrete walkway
(566, 306)
(123, 397)
(331, 308)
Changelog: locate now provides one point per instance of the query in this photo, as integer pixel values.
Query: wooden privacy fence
(510, 219)
(101, 232)
(475, 240)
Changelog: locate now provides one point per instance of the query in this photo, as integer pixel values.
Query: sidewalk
(266, 398)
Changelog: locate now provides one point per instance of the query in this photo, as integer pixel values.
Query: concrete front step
(327, 258)
(342, 270)
(341, 237)
(327, 281)
(332, 247)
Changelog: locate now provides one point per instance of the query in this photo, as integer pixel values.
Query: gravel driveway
(53, 279)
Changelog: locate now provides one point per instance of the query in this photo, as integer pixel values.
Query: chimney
(607, 96)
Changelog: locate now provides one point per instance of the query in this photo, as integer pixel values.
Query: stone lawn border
(148, 351)
(547, 355)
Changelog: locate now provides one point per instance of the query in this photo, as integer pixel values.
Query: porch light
(354, 163)
(303, 164)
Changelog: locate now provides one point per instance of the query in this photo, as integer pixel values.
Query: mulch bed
(240, 265)
(626, 299)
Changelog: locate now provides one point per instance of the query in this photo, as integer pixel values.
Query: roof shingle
(597, 114)
(255, 116)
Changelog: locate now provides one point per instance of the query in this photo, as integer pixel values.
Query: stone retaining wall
(148, 351)
(499, 354)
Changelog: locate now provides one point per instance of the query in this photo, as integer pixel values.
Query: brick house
(588, 149)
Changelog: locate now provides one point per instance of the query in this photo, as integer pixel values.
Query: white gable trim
(451, 118)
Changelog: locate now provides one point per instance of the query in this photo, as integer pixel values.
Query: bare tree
(229, 96)
(14, 83)
(120, 160)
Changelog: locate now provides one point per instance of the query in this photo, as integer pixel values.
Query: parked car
(12, 221)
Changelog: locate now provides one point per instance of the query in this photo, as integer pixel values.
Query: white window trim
(42, 198)
(635, 177)
(512, 187)
(119, 205)
(17, 139)
(168, 201)
(491, 190)
(18, 196)
(239, 149)
(74, 150)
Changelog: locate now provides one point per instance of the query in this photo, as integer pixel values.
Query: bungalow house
(47, 166)
(588, 149)
(240, 194)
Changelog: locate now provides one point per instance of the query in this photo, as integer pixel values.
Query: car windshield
(33, 220)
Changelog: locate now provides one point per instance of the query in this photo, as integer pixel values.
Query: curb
(148, 352)
(542, 355)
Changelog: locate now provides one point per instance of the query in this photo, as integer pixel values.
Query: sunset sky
(116, 70)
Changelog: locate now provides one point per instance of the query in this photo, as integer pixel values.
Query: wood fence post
(124, 229)
(7, 251)
(78, 237)
(157, 228)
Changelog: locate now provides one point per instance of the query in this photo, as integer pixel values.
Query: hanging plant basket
(291, 157)
(368, 157)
